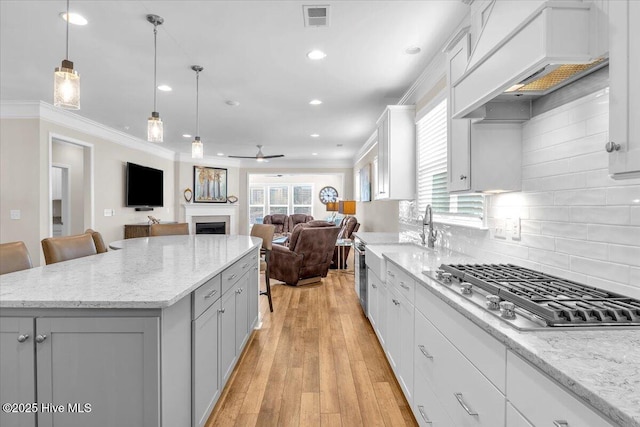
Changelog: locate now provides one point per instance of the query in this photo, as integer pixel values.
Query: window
(283, 199)
(431, 145)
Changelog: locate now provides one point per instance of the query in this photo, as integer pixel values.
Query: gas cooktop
(528, 299)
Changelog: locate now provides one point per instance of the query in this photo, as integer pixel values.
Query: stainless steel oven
(360, 274)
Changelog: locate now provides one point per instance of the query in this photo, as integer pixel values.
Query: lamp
(197, 149)
(66, 81)
(332, 207)
(347, 207)
(155, 132)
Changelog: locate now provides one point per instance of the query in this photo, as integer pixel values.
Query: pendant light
(66, 81)
(155, 132)
(197, 149)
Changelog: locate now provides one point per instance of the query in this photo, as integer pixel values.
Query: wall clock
(328, 194)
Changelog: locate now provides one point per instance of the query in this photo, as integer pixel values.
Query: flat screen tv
(145, 186)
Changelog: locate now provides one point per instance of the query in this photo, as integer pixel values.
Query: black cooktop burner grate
(558, 301)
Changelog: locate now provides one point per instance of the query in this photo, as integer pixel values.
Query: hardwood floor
(315, 362)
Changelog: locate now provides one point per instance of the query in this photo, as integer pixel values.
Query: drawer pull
(374, 286)
(233, 276)
(23, 337)
(390, 273)
(40, 338)
(221, 310)
(463, 404)
(255, 268)
(239, 291)
(210, 294)
(254, 257)
(425, 352)
(560, 423)
(423, 415)
(404, 286)
(395, 301)
(245, 265)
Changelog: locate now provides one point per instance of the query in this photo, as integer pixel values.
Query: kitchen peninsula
(147, 335)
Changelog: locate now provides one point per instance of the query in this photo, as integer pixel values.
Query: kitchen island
(146, 336)
(589, 375)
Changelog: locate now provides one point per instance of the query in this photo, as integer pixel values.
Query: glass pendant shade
(155, 131)
(197, 149)
(66, 87)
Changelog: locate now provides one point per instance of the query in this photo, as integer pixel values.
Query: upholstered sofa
(348, 226)
(308, 256)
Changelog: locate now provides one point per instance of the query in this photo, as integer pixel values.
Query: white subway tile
(530, 227)
(635, 215)
(614, 215)
(589, 162)
(624, 195)
(626, 289)
(634, 278)
(558, 182)
(564, 134)
(603, 269)
(589, 109)
(549, 213)
(582, 248)
(625, 254)
(546, 124)
(538, 199)
(564, 274)
(566, 149)
(556, 167)
(598, 124)
(538, 241)
(551, 258)
(624, 235)
(587, 197)
(564, 229)
(505, 247)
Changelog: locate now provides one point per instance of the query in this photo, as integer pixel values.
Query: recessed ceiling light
(315, 135)
(412, 50)
(314, 154)
(74, 18)
(165, 88)
(339, 145)
(316, 54)
(232, 103)
(186, 135)
(315, 102)
(220, 154)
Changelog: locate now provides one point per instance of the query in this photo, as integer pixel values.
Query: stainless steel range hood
(549, 48)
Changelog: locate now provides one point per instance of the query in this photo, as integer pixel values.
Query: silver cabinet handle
(560, 423)
(255, 268)
(239, 291)
(463, 177)
(374, 286)
(210, 294)
(41, 338)
(390, 273)
(463, 404)
(395, 301)
(423, 415)
(254, 257)
(424, 351)
(23, 337)
(233, 276)
(610, 147)
(404, 286)
(245, 265)
(221, 310)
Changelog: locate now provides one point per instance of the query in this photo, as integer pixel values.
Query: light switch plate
(15, 213)
(109, 212)
(515, 229)
(499, 229)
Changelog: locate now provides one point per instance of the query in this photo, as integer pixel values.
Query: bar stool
(265, 232)
(97, 240)
(179, 229)
(14, 256)
(58, 249)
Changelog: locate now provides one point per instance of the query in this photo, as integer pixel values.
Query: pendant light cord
(197, 103)
(68, 18)
(155, 62)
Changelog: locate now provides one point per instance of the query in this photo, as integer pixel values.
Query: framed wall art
(209, 185)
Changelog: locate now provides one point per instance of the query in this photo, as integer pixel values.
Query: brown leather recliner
(296, 219)
(348, 226)
(280, 221)
(308, 257)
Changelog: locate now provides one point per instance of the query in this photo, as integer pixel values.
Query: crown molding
(364, 150)
(47, 112)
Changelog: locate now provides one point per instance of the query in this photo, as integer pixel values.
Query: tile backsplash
(576, 222)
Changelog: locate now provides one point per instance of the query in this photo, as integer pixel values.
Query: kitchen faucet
(433, 234)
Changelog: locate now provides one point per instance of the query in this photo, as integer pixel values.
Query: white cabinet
(396, 153)
(373, 284)
(624, 104)
(400, 341)
(529, 390)
(515, 418)
(480, 157)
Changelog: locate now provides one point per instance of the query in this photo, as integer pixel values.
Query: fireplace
(212, 212)
(210, 228)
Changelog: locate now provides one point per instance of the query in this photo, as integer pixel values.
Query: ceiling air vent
(316, 16)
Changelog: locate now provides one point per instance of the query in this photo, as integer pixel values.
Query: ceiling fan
(259, 157)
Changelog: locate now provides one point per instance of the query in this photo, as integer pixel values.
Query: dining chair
(58, 249)
(265, 232)
(97, 240)
(14, 256)
(181, 228)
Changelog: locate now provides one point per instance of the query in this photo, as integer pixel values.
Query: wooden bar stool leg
(267, 282)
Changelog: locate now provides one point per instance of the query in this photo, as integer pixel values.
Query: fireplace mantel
(193, 211)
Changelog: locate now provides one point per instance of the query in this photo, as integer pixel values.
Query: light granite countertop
(376, 238)
(148, 272)
(600, 366)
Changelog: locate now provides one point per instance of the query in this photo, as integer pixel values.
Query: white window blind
(431, 145)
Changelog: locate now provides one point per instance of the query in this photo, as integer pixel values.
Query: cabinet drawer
(206, 295)
(232, 274)
(426, 407)
(488, 355)
(401, 281)
(515, 418)
(529, 390)
(467, 396)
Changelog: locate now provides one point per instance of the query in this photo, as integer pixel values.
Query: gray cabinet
(206, 380)
(253, 293)
(17, 363)
(227, 340)
(241, 291)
